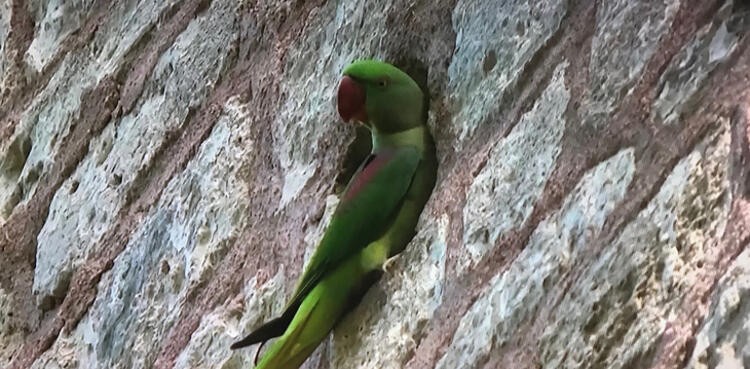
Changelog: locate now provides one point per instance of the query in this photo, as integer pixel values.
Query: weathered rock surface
(167, 167)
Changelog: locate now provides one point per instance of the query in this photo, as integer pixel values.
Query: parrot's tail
(320, 311)
(299, 341)
(268, 330)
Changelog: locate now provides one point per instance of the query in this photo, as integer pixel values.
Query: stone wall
(166, 167)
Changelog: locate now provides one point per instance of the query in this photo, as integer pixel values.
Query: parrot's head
(380, 96)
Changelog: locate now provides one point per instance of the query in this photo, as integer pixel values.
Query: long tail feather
(268, 330)
(321, 310)
(289, 351)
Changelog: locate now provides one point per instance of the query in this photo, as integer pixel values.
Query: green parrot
(374, 220)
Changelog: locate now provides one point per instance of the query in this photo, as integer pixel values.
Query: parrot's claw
(388, 263)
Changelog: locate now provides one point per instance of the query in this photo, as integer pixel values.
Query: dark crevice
(739, 165)
(203, 6)
(358, 150)
(489, 61)
(17, 154)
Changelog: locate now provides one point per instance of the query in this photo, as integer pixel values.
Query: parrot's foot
(387, 264)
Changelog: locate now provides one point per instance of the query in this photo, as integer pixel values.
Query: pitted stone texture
(178, 246)
(9, 333)
(688, 71)
(513, 297)
(95, 193)
(229, 323)
(4, 30)
(129, 26)
(626, 37)
(494, 42)
(722, 342)
(616, 312)
(516, 172)
(54, 20)
(30, 153)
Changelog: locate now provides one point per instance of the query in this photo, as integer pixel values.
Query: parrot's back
(403, 228)
(342, 289)
(375, 219)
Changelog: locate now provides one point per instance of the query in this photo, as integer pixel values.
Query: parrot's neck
(411, 137)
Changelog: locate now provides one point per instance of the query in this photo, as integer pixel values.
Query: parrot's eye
(383, 82)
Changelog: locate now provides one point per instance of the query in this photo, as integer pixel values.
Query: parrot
(376, 216)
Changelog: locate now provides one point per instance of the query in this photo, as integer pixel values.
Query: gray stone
(95, 193)
(723, 340)
(4, 29)
(616, 311)
(517, 169)
(626, 37)
(686, 74)
(54, 20)
(512, 297)
(512, 31)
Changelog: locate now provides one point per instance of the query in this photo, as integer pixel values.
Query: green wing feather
(321, 309)
(366, 209)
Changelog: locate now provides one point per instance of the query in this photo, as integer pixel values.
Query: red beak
(351, 100)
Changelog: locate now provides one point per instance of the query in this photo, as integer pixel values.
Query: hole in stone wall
(355, 155)
(74, 187)
(490, 60)
(520, 27)
(56, 297)
(116, 179)
(33, 176)
(740, 5)
(15, 158)
(13, 200)
(739, 21)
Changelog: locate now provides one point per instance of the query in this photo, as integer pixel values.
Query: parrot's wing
(321, 309)
(367, 207)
